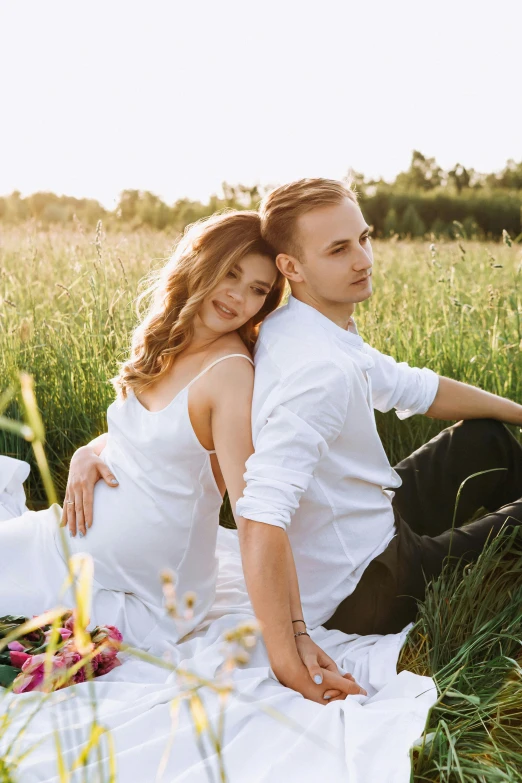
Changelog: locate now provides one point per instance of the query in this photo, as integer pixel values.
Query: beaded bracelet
(301, 633)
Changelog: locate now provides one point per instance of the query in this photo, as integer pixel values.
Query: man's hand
(298, 678)
(322, 668)
(85, 470)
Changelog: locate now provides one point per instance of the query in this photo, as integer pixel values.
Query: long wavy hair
(208, 250)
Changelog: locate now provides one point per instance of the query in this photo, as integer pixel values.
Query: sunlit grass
(67, 310)
(468, 636)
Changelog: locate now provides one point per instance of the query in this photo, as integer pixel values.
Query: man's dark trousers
(385, 599)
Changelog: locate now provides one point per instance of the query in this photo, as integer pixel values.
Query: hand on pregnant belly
(85, 471)
(130, 541)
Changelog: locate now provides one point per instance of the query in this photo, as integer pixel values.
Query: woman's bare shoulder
(227, 344)
(231, 378)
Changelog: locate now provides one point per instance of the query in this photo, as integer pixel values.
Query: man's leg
(385, 598)
(432, 475)
(467, 542)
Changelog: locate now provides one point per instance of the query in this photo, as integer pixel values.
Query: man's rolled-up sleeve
(306, 416)
(409, 390)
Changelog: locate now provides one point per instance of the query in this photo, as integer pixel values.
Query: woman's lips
(218, 307)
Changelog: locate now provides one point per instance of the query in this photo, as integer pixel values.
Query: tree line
(424, 200)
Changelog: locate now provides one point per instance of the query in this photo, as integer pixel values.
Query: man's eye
(338, 250)
(365, 237)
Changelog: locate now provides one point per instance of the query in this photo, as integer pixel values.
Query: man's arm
(412, 390)
(271, 582)
(313, 657)
(455, 400)
(264, 551)
(409, 390)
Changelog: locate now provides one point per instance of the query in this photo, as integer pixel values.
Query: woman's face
(240, 295)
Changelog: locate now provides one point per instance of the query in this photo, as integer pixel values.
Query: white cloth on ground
(13, 473)
(360, 740)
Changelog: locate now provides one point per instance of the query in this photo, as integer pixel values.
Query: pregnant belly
(130, 540)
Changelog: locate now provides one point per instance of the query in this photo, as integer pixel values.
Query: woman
(181, 421)
(191, 349)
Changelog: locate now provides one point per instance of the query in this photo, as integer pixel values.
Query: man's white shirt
(319, 469)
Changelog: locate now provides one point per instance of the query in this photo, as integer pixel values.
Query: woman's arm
(85, 470)
(97, 444)
(265, 550)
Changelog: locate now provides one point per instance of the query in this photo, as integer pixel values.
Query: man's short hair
(281, 208)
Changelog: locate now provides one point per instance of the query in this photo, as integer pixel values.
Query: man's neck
(340, 313)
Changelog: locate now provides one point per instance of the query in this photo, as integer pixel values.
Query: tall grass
(455, 308)
(468, 636)
(66, 314)
(65, 317)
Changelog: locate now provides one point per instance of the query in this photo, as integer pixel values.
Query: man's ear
(289, 267)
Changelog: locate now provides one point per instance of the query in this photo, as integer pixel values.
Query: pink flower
(107, 666)
(18, 658)
(106, 633)
(16, 646)
(65, 633)
(31, 678)
(68, 654)
(106, 640)
(105, 660)
(80, 676)
(114, 634)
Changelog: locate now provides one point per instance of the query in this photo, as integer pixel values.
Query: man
(319, 480)
(365, 538)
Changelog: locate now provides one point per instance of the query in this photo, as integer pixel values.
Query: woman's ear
(289, 267)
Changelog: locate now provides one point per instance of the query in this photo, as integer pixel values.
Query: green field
(66, 312)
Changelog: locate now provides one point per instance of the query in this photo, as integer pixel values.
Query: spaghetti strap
(213, 364)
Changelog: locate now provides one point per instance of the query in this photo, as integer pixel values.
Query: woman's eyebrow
(237, 268)
(263, 283)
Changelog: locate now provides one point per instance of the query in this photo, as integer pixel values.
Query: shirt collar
(350, 335)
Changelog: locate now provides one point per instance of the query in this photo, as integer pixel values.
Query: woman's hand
(323, 670)
(297, 677)
(85, 470)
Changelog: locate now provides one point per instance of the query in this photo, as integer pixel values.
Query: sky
(177, 97)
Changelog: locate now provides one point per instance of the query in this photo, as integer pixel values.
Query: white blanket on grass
(271, 734)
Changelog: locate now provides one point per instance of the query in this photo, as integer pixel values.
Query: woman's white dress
(164, 515)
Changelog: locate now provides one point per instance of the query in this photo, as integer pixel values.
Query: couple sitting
(330, 534)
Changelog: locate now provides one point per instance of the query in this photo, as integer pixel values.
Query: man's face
(335, 256)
